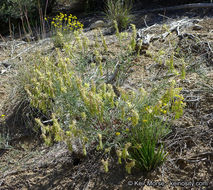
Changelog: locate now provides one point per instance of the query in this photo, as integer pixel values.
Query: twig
(144, 19)
(191, 99)
(2, 38)
(114, 75)
(209, 47)
(165, 16)
(5, 62)
(203, 154)
(211, 88)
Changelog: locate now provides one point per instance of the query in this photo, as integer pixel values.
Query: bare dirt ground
(27, 164)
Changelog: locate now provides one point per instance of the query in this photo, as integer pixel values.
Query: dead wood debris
(144, 39)
(173, 8)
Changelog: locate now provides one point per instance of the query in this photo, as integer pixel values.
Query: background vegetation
(16, 13)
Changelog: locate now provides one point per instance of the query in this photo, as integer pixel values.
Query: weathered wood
(143, 40)
(186, 6)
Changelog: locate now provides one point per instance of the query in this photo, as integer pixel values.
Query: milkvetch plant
(74, 93)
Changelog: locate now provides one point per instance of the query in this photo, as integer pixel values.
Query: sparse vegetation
(109, 98)
(82, 105)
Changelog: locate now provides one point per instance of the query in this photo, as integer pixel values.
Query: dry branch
(187, 6)
(7, 63)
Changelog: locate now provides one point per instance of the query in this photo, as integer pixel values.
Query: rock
(197, 27)
(109, 31)
(97, 24)
(3, 71)
(210, 123)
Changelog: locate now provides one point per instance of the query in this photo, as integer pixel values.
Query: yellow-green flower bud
(119, 154)
(106, 165)
(107, 150)
(100, 141)
(84, 116)
(135, 117)
(129, 166)
(84, 150)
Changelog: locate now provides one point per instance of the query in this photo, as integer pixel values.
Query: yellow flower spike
(129, 104)
(134, 118)
(83, 115)
(129, 166)
(117, 133)
(107, 150)
(119, 154)
(138, 146)
(127, 129)
(149, 110)
(100, 141)
(127, 145)
(125, 152)
(106, 164)
(84, 150)
(144, 120)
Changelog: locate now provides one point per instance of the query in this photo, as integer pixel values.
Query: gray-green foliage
(83, 106)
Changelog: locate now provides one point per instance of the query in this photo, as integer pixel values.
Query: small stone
(210, 123)
(3, 71)
(109, 31)
(97, 24)
(197, 27)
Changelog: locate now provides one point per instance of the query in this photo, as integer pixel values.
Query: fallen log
(186, 6)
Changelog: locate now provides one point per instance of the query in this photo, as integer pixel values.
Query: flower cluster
(64, 22)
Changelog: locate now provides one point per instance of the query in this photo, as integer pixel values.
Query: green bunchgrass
(146, 150)
(119, 11)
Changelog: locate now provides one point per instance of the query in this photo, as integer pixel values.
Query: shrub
(74, 92)
(63, 26)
